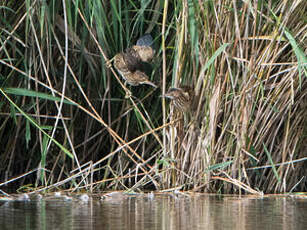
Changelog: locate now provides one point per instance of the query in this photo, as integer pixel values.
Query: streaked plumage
(181, 97)
(130, 63)
(137, 78)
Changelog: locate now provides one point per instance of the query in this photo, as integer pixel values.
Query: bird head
(146, 53)
(181, 97)
(174, 93)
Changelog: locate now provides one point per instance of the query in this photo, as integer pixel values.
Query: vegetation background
(65, 122)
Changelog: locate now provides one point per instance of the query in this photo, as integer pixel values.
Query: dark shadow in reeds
(68, 120)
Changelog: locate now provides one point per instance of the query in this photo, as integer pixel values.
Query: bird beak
(167, 96)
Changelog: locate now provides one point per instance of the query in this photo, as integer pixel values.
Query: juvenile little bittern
(182, 98)
(130, 63)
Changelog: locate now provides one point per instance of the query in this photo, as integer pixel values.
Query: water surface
(160, 211)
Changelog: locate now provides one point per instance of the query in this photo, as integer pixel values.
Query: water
(163, 211)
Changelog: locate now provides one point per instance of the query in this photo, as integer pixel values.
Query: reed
(68, 120)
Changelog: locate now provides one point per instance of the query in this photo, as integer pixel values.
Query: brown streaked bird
(182, 97)
(137, 78)
(130, 63)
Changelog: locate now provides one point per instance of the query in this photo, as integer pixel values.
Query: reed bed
(68, 121)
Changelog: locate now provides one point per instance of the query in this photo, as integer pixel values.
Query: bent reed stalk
(243, 131)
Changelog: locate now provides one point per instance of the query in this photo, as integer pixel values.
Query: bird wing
(143, 78)
(132, 59)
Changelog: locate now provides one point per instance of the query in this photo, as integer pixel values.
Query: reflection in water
(163, 211)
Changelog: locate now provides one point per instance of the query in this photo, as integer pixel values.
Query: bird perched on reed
(181, 98)
(130, 64)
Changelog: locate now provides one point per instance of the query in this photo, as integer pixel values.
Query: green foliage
(31, 93)
(244, 60)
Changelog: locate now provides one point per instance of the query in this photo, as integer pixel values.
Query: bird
(130, 63)
(181, 97)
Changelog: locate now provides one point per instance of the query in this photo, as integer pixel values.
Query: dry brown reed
(64, 113)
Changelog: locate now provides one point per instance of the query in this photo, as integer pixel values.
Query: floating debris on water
(84, 197)
(23, 197)
(151, 195)
(57, 194)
